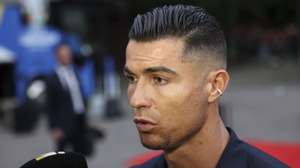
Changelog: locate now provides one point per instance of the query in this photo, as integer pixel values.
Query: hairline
(194, 54)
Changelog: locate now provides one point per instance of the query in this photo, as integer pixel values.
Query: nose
(138, 96)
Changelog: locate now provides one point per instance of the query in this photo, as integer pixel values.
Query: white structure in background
(37, 9)
(6, 56)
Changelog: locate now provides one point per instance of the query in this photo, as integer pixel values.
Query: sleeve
(52, 105)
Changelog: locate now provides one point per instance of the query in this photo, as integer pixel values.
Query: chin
(153, 146)
(151, 142)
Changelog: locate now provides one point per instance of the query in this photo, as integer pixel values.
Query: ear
(217, 84)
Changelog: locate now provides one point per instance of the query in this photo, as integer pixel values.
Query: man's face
(64, 55)
(167, 94)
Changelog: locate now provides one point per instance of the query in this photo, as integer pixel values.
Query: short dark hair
(60, 45)
(199, 29)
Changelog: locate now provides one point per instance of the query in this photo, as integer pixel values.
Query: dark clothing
(237, 154)
(62, 115)
(76, 139)
(60, 108)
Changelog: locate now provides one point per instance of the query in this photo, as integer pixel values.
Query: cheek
(182, 107)
(129, 91)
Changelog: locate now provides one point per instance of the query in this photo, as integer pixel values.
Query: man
(176, 68)
(67, 118)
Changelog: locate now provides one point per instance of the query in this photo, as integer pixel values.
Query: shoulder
(155, 162)
(238, 154)
(52, 81)
(51, 77)
(257, 158)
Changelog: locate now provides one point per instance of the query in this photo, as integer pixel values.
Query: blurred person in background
(176, 69)
(66, 106)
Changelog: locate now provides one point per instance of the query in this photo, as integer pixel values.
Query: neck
(64, 65)
(205, 148)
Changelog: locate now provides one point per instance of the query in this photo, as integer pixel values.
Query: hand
(57, 134)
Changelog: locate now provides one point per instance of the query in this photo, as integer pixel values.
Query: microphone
(57, 160)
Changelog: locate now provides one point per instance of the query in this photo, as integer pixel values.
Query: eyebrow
(152, 70)
(127, 71)
(159, 69)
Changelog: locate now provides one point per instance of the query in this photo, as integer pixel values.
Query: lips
(144, 125)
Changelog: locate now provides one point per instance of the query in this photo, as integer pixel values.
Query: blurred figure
(67, 109)
(112, 89)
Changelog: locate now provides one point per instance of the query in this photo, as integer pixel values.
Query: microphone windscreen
(57, 160)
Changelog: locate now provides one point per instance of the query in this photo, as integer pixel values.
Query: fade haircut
(200, 30)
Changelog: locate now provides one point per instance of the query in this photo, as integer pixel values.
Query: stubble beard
(167, 142)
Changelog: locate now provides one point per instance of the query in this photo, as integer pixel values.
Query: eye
(160, 81)
(130, 78)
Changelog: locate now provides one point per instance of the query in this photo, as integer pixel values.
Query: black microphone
(57, 160)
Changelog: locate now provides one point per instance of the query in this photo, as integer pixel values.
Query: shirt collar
(230, 148)
(61, 66)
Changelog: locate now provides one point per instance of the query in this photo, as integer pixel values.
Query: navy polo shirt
(237, 154)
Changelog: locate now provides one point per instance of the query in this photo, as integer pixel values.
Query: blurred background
(261, 104)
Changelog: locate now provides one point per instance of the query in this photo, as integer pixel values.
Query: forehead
(161, 52)
(63, 48)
